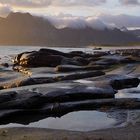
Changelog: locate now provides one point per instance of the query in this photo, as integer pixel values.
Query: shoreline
(130, 132)
(112, 46)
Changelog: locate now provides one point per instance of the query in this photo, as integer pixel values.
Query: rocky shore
(48, 83)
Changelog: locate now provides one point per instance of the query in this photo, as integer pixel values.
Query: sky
(104, 10)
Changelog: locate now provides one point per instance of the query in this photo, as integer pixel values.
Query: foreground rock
(59, 109)
(73, 61)
(62, 98)
(53, 58)
(127, 52)
(48, 58)
(118, 81)
(70, 68)
(125, 83)
(27, 99)
(53, 79)
(64, 93)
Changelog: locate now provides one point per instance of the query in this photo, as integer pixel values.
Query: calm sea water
(12, 50)
(82, 120)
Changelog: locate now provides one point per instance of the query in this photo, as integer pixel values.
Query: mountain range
(26, 29)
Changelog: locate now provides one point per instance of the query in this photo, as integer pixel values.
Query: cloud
(62, 21)
(26, 3)
(45, 3)
(77, 2)
(130, 2)
(4, 10)
(121, 20)
(99, 22)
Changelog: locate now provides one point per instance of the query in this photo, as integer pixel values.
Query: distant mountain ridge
(25, 29)
(135, 32)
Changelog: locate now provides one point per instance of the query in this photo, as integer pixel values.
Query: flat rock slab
(118, 81)
(36, 97)
(25, 81)
(70, 68)
(48, 57)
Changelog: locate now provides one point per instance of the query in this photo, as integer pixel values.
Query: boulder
(127, 52)
(4, 65)
(122, 83)
(115, 59)
(81, 60)
(25, 99)
(117, 81)
(26, 81)
(78, 93)
(43, 58)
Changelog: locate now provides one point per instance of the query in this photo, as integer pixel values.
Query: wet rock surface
(47, 83)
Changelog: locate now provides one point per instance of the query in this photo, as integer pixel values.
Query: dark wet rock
(35, 81)
(52, 58)
(115, 59)
(41, 51)
(80, 54)
(79, 92)
(27, 82)
(5, 65)
(7, 96)
(17, 58)
(99, 67)
(38, 60)
(22, 100)
(82, 60)
(25, 99)
(108, 60)
(97, 48)
(100, 54)
(77, 53)
(20, 94)
(43, 58)
(119, 83)
(133, 90)
(81, 75)
(60, 109)
(129, 60)
(61, 93)
(70, 61)
(53, 79)
(96, 104)
(127, 52)
(91, 59)
(69, 68)
(52, 52)
(116, 81)
(25, 102)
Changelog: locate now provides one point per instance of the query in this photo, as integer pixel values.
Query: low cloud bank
(100, 22)
(79, 22)
(4, 10)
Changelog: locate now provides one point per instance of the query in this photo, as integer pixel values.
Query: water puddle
(76, 121)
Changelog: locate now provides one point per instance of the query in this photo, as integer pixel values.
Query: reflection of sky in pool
(78, 121)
